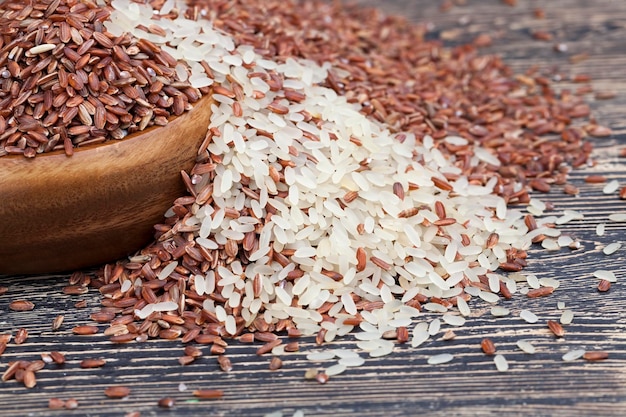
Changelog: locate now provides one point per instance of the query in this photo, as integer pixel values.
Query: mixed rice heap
(306, 213)
(350, 179)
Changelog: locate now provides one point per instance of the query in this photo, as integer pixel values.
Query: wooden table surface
(402, 384)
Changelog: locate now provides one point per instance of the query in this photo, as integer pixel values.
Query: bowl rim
(106, 142)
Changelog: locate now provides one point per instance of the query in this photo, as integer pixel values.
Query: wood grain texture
(86, 205)
(402, 384)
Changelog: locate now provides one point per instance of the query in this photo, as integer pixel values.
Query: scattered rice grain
(502, 365)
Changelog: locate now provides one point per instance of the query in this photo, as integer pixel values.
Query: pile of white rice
(303, 162)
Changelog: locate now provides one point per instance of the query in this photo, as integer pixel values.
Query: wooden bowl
(60, 213)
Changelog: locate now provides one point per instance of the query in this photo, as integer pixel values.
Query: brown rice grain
(604, 285)
(268, 347)
(21, 305)
(209, 394)
(556, 328)
(540, 292)
(71, 404)
(117, 391)
(85, 329)
(322, 378)
(55, 403)
(224, 362)
(488, 346)
(166, 402)
(57, 357)
(57, 322)
(275, 363)
(29, 379)
(598, 355)
(92, 363)
(20, 336)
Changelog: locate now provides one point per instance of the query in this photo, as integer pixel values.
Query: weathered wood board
(401, 384)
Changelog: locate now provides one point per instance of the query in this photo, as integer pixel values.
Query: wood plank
(403, 383)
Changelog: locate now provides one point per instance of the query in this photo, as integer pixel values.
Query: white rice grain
(463, 306)
(319, 356)
(610, 187)
(498, 311)
(453, 319)
(617, 217)
(167, 270)
(352, 361)
(526, 346)
(605, 274)
(549, 282)
(611, 248)
(572, 355)
(407, 256)
(528, 316)
(501, 363)
(336, 369)
(434, 327)
(44, 47)
(567, 316)
(440, 359)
